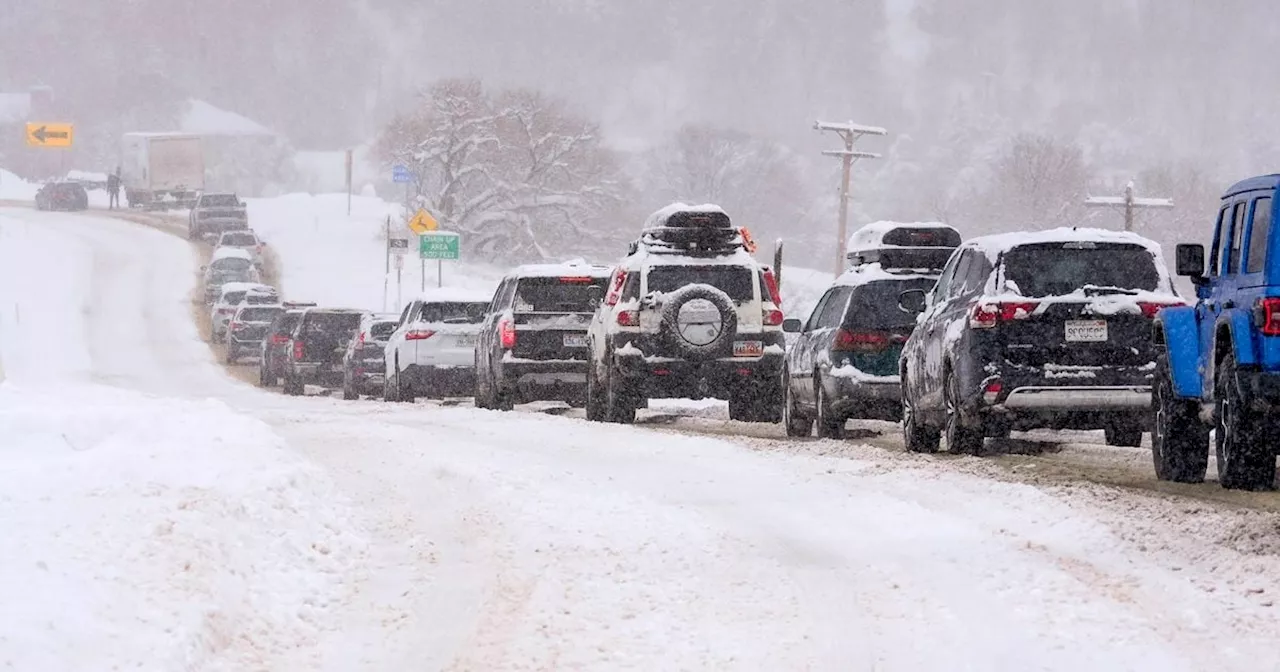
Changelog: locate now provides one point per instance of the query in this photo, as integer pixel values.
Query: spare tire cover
(699, 322)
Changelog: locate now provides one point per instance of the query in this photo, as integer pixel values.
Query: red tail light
(360, 340)
(772, 318)
(576, 280)
(628, 318)
(991, 392)
(861, 341)
(279, 339)
(236, 326)
(507, 333)
(1150, 309)
(299, 349)
(418, 334)
(988, 315)
(1266, 315)
(771, 283)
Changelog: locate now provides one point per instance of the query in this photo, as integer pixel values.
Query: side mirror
(912, 301)
(791, 325)
(595, 295)
(1190, 260)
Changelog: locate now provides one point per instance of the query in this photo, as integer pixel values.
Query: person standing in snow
(113, 189)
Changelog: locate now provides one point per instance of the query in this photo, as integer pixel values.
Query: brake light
(360, 340)
(992, 391)
(236, 326)
(988, 315)
(279, 339)
(615, 287)
(1266, 315)
(575, 280)
(628, 318)
(772, 318)
(507, 334)
(860, 341)
(419, 334)
(299, 349)
(1149, 309)
(771, 283)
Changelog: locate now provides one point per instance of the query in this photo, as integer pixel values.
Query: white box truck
(161, 170)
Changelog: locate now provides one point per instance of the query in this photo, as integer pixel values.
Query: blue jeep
(1219, 360)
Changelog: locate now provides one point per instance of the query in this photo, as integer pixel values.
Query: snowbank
(14, 188)
(149, 533)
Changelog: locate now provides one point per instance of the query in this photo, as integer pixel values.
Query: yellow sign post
(423, 223)
(41, 134)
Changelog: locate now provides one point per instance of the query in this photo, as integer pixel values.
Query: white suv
(688, 314)
(232, 295)
(431, 353)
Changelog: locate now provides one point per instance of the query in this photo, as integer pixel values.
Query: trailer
(161, 170)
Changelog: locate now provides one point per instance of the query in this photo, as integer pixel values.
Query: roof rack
(697, 231)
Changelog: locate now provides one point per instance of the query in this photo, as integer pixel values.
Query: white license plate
(1086, 331)
(575, 341)
(466, 340)
(748, 348)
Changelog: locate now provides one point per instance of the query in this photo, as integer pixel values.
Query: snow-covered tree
(1036, 183)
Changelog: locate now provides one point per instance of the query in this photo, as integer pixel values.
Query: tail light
(237, 326)
(991, 392)
(299, 349)
(771, 283)
(1150, 309)
(360, 340)
(772, 318)
(628, 318)
(576, 280)
(988, 315)
(860, 341)
(1266, 315)
(418, 334)
(507, 334)
(279, 339)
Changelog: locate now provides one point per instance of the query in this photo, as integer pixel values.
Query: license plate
(575, 341)
(1086, 331)
(748, 348)
(466, 340)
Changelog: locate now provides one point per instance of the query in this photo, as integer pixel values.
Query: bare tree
(1036, 183)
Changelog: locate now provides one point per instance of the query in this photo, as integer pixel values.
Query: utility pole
(850, 133)
(1129, 202)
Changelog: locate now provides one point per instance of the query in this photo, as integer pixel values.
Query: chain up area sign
(438, 245)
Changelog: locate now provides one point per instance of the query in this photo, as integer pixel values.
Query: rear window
(219, 200)
(1055, 269)
(558, 295)
(231, 265)
(287, 321)
(875, 305)
(68, 189)
(381, 331)
(453, 312)
(232, 298)
(259, 314)
(239, 239)
(736, 281)
(327, 323)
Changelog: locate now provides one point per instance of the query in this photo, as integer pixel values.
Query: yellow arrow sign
(41, 134)
(423, 222)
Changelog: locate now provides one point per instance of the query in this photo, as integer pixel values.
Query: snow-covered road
(162, 515)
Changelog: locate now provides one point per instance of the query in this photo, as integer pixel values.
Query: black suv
(532, 344)
(275, 344)
(689, 314)
(317, 348)
(844, 362)
(247, 328)
(364, 365)
(1035, 330)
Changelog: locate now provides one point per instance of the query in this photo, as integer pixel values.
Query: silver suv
(689, 313)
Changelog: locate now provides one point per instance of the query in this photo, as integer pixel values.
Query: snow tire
(1246, 460)
(830, 425)
(798, 425)
(1179, 440)
(962, 439)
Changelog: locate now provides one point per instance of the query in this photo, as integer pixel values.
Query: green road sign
(438, 246)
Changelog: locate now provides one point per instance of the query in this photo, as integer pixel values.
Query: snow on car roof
(226, 252)
(996, 244)
(659, 218)
(871, 235)
(246, 287)
(569, 268)
(455, 295)
(867, 273)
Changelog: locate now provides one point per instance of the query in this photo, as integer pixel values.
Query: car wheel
(917, 437)
(830, 425)
(1122, 434)
(961, 439)
(1245, 457)
(263, 381)
(348, 390)
(390, 389)
(503, 400)
(1179, 441)
(620, 407)
(595, 400)
(797, 423)
(292, 386)
(481, 392)
(232, 354)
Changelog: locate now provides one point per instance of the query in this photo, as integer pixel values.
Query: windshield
(1056, 269)
(332, 323)
(570, 294)
(736, 281)
(231, 265)
(453, 313)
(259, 314)
(220, 200)
(239, 239)
(875, 304)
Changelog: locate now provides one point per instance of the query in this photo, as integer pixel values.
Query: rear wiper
(1097, 290)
